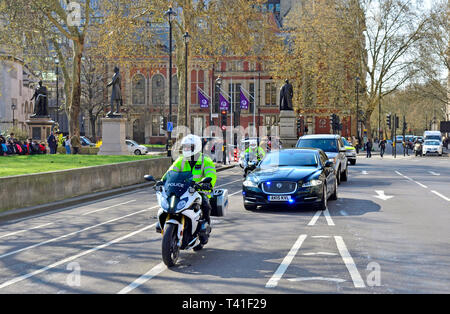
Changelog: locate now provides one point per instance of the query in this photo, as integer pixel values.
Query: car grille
(279, 187)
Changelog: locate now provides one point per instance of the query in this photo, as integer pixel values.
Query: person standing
(368, 147)
(382, 146)
(51, 140)
(75, 143)
(67, 145)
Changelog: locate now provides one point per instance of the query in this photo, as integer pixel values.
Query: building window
(197, 81)
(158, 90)
(271, 94)
(234, 90)
(156, 125)
(138, 89)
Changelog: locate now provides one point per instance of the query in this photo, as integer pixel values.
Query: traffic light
(223, 119)
(388, 120)
(405, 126)
(299, 125)
(397, 124)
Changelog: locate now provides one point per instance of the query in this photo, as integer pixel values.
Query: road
(387, 233)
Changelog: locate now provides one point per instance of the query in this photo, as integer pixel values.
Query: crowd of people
(12, 146)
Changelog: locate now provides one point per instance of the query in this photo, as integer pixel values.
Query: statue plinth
(288, 128)
(113, 137)
(39, 127)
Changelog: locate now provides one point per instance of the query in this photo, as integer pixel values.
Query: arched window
(138, 89)
(158, 90)
(175, 90)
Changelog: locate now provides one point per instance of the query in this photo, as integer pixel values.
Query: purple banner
(224, 104)
(203, 100)
(244, 101)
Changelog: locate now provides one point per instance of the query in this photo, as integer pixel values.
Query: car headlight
(312, 183)
(250, 184)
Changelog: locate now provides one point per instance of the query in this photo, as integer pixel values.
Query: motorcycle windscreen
(177, 183)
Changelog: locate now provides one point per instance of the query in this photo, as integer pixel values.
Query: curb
(39, 209)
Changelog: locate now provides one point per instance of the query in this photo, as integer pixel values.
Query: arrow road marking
(382, 196)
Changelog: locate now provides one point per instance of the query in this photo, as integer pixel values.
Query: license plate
(279, 198)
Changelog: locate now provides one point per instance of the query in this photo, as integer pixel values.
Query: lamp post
(186, 38)
(57, 89)
(13, 108)
(358, 81)
(170, 15)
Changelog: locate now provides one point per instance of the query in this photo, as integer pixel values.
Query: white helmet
(191, 145)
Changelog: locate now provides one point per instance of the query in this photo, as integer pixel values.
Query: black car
(289, 178)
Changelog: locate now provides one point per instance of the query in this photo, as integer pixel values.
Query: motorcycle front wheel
(170, 249)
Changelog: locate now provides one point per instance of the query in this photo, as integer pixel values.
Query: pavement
(387, 233)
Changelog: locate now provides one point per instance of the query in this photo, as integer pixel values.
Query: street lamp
(186, 38)
(170, 15)
(57, 89)
(13, 108)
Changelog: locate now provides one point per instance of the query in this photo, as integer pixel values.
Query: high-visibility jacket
(204, 167)
(259, 152)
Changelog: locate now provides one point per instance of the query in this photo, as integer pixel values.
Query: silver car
(135, 148)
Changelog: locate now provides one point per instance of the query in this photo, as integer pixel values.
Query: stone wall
(41, 188)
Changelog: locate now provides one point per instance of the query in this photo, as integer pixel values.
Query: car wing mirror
(328, 164)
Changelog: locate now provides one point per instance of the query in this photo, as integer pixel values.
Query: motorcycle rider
(201, 166)
(254, 150)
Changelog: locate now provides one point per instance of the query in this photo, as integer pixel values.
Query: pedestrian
(67, 145)
(368, 147)
(405, 148)
(75, 143)
(51, 140)
(382, 146)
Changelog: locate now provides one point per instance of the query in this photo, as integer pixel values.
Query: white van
(432, 135)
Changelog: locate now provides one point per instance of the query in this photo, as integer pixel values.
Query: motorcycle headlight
(164, 203)
(181, 205)
(312, 183)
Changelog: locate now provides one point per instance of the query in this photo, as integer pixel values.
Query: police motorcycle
(180, 219)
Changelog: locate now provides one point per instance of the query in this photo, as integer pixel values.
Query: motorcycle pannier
(219, 203)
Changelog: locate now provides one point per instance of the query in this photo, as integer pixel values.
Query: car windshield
(433, 137)
(289, 159)
(432, 143)
(325, 144)
(176, 183)
(130, 142)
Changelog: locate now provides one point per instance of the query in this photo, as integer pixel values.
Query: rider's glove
(206, 186)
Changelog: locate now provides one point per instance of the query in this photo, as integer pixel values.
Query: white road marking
(343, 213)
(349, 263)
(144, 278)
(71, 258)
(320, 253)
(273, 282)
(364, 172)
(422, 185)
(321, 237)
(240, 180)
(102, 209)
(440, 195)
(328, 217)
(235, 193)
(382, 196)
(22, 231)
(314, 219)
(434, 173)
(317, 278)
(72, 233)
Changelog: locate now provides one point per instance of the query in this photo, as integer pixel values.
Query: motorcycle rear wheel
(170, 249)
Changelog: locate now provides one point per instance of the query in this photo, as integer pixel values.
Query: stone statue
(116, 94)
(286, 95)
(41, 102)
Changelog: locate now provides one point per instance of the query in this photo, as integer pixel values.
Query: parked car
(86, 142)
(432, 135)
(350, 151)
(333, 146)
(432, 147)
(135, 148)
(291, 177)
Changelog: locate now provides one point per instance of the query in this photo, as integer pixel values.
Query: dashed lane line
(102, 209)
(25, 230)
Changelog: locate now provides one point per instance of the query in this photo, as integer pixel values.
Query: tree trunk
(74, 110)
